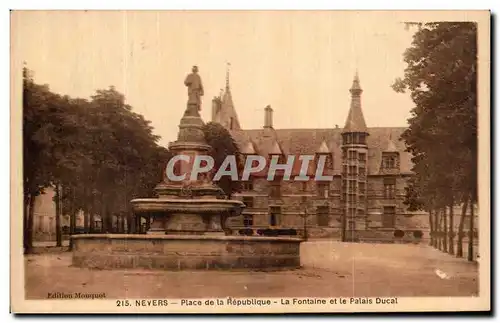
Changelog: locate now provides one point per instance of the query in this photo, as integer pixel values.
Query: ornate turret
(223, 110)
(354, 161)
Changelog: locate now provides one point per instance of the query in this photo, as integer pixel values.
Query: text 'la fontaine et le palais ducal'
(267, 302)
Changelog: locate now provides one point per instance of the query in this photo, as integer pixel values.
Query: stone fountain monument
(187, 231)
(193, 207)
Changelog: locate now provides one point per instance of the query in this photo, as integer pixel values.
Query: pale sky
(301, 63)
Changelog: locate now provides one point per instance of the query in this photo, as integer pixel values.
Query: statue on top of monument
(195, 88)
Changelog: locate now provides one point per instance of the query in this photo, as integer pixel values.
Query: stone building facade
(370, 168)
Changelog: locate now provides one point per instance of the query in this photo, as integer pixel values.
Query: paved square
(331, 269)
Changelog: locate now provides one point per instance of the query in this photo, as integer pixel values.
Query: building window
(322, 189)
(247, 185)
(274, 215)
(231, 123)
(352, 155)
(247, 220)
(389, 188)
(389, 160)
(362, 138)
(350, 186)
(389, 217)
(275, 188)
(248, 201)
(323, 215)
(328, 161)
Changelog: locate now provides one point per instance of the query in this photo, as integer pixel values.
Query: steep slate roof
(391, 146)
(248, 148)
(227, 110)
(298, 142)
(276, 149)
(306, 142)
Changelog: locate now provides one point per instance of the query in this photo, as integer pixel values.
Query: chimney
(268, 117)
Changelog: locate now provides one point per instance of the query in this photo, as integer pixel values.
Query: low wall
(173, 252)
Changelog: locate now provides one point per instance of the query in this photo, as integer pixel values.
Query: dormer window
(328, 161)
(390, 161)
(323, 151)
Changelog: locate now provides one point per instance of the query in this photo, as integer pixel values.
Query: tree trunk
(72, 226)
(29, 224)
(138, 225)
(460, 239)
(431, 227)
(86, 221)
(91, 222)
(58, 216)
(471, 233)
(105, 219)
(109, 221)
(122, 223)
(445, 230)
(451, 230)
(436, 228)
(25, 222)
(130, 223)
(31, 220)
(86, 211)
(439, 226)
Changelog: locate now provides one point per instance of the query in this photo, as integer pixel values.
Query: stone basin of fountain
(184, 252)
(187, 231)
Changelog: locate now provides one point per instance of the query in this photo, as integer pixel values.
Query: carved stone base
(193, 223)
(157, 225)
(180, 252)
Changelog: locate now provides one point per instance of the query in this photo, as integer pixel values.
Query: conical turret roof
(355, 120)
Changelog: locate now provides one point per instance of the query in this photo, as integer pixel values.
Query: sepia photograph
(250, 161)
